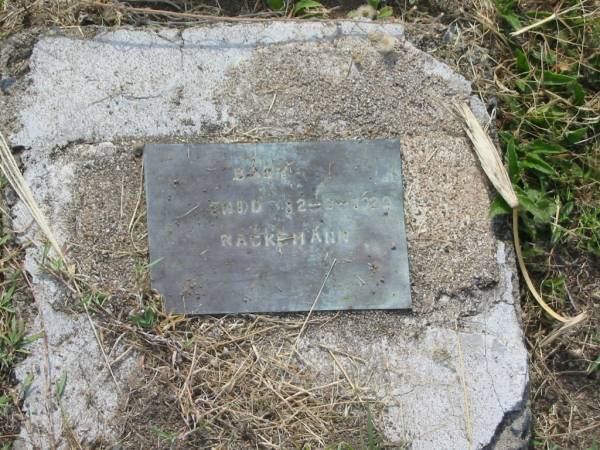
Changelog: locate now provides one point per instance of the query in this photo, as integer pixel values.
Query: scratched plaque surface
(271, 227)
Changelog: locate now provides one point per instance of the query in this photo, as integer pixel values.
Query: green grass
(13, 342)
(13, 337)
(550, 122)
(549, 109)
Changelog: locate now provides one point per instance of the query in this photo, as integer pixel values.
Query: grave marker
(239, 228)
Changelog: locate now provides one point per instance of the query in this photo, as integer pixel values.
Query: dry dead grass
(20, 15)
(564, 373)
(238, 383)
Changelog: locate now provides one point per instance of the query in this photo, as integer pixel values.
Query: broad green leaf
(535, 203)
(386, 11)
(576, 136)
(557, 234)
(567, 209)
(556, 79)
(499, 207)
(275, 5)
(522, 85)
(522, 63)
(577, 93)
(374, 3)
(547, 115)
(535, 161)
(542, 147)
(145, 320)
(512, 19)
(512, 160)
(303, 5)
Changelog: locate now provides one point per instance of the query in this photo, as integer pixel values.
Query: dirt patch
(106, 215)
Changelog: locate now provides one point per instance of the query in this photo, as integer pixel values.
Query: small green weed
(141, 276)
(94, 298)
(168, 436)
(374, 9)
(4, 402)
(13, 339)
(6, 300)
(146, 319)
(26, 384)
(148, 316)
(306, 9)
(141, 269)
(371, 440)
(60, 386)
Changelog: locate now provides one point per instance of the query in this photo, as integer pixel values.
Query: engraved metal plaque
(273, 227)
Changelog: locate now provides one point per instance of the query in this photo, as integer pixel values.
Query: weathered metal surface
(256, 227)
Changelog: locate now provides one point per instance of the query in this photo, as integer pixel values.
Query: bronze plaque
(237, 228)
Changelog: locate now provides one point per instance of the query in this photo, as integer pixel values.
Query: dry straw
(17, 181)
(494, 168)
(488, 156)
(541, 22)
(15, 178)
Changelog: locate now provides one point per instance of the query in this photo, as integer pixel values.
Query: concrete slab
(453, 373)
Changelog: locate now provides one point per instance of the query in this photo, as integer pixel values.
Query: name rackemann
(267, 238)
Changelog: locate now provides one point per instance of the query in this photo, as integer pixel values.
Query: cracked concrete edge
(514, 431)
(415, 376)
